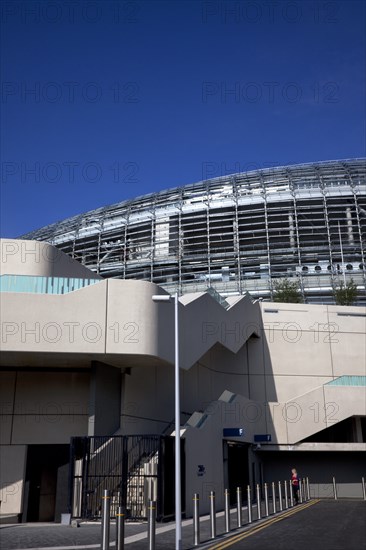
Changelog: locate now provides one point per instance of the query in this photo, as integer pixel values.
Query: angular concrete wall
(19, 257)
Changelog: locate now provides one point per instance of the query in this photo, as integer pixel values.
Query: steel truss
(235, 233)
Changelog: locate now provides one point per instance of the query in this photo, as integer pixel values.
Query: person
(295, 482)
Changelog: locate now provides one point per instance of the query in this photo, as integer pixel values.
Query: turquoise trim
(43, 285)
(348, 381)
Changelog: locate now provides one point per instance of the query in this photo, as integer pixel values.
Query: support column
(104, 399)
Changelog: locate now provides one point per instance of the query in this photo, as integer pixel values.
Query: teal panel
(348, 381)
(43, 285)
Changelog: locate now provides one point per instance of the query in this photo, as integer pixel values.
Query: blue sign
(233, 432)
(261, 438)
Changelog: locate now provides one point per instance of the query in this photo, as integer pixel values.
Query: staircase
(128, 466)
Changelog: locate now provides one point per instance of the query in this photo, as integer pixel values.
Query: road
(317, 525)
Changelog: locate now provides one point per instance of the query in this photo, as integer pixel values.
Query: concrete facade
(98, 361)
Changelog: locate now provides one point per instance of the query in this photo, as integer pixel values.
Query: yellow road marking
(256, 529)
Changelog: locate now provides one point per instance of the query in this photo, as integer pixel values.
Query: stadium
(236, 233)
(86, 377)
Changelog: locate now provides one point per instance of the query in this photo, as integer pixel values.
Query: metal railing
(130, 467)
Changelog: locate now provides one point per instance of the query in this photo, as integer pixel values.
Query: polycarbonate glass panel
(348, 381)
(43, 285)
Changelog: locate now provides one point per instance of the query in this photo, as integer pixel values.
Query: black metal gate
(135, 468)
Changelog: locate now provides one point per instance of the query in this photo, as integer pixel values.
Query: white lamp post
(178, 506)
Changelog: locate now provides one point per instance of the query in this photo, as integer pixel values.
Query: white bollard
(274, 497)
(266, 499)
(249, 504)
(335, 489)
(286, 494)
(151, 524)
(238, 506)
(196, 519)
(280, 496)
(227, 511)
(106, 519)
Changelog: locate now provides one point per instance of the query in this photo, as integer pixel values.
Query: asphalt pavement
(316, 525)
(323, 525)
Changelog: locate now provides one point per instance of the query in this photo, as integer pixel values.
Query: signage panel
(262, 438)
(233, 432)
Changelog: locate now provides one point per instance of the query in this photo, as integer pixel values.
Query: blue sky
(105, 101)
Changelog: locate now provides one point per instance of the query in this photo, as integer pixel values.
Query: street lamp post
(178, 506)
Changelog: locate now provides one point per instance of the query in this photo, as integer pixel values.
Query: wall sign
(233, 432)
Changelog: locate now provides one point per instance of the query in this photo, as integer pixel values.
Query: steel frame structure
(235, 233)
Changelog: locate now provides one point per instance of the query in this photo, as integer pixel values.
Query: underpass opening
(236, 468)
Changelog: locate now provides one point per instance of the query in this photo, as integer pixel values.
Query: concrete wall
(275, 359)
(37, 407)
(64, 324)
(19, 257)
(309, 345)
(204, 443)
(148, 391)
(12, 468)
(119, 320)
(62, 492)
(43, 407)
(105, 399)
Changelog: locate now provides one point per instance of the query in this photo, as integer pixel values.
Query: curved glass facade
(235, 233)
